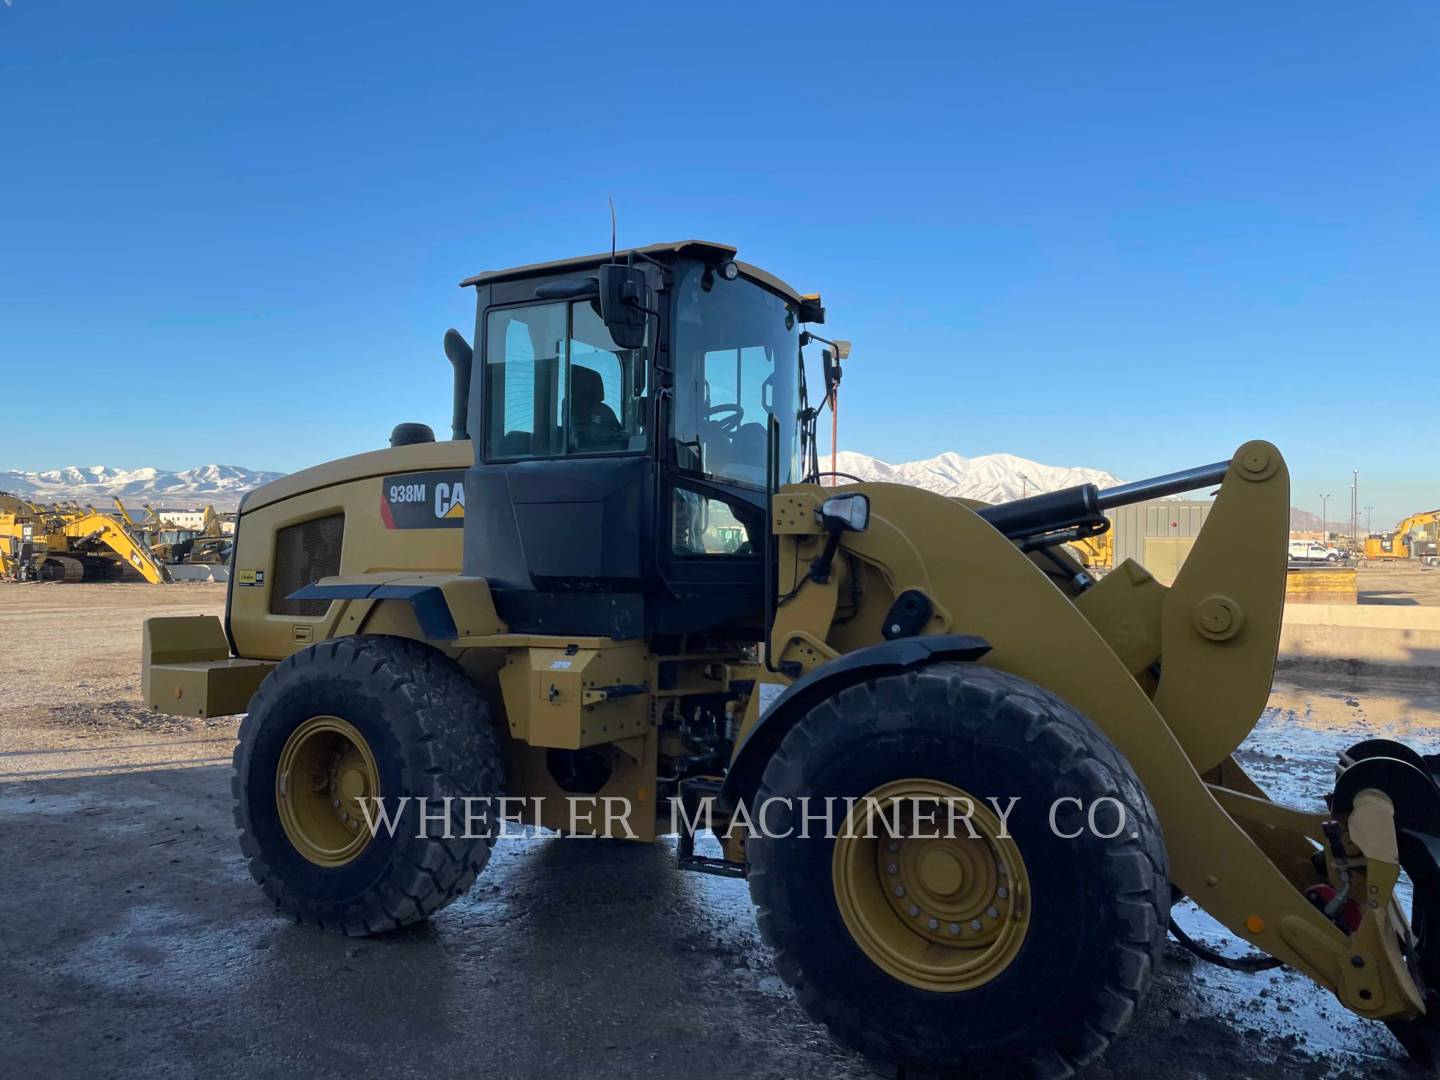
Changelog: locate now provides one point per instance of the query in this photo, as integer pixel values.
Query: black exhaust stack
(462, 358)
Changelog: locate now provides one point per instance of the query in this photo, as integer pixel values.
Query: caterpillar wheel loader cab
(964, 779)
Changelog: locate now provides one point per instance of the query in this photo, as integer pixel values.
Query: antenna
(612, 227)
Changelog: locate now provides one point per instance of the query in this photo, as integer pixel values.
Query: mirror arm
(821, 564)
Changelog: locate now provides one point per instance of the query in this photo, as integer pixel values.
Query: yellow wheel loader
(965, 780)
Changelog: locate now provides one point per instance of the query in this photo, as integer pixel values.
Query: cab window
(701, 525)
(556, 384)
(736, 350)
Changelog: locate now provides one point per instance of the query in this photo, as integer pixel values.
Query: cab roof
(703, 250)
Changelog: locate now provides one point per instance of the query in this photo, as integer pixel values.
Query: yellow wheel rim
(929, 903)
(326, 770)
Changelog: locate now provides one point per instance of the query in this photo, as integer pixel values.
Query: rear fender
(445, 606)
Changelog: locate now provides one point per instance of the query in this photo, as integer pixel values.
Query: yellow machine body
(1243, 858)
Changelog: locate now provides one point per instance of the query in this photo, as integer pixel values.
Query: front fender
(873, 661)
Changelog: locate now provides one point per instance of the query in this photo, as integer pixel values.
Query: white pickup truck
(1313, 551)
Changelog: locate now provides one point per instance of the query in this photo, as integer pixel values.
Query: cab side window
(702, 525)
(556, 384)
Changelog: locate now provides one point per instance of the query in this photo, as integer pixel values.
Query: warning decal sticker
(428, 500)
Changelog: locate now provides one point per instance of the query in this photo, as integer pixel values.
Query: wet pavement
(134, 944)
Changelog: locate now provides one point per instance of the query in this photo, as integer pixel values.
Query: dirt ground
(135, 944)
(1398, 583)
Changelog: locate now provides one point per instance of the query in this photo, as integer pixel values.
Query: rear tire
(1096, 918)
(425, 733)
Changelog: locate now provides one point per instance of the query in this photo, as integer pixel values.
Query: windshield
(736, 348)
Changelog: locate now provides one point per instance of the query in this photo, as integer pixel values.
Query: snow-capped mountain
(220, 485)
(991, 478)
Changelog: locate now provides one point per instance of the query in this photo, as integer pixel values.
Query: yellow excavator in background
(90, 531)
(71, 543)
(1402, 543)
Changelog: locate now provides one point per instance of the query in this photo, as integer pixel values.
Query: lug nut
(914, 911)
(975, 924)
(1002, 892)
(955, 928)
(991, 912)
(893, 868)
(899, 890)
(933, 924)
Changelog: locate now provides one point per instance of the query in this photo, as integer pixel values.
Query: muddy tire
(1095, 914)
(397, 716)
(1420, 1035)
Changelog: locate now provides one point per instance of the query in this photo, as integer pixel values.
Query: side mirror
(625, 304)
(845, 513)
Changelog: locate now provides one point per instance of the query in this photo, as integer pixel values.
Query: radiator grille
(305, 553)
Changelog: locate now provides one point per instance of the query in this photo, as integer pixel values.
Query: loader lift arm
(1177, 720)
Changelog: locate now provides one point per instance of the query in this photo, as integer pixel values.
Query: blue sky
(1124, 235)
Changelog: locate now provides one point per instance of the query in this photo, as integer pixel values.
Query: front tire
(1017, 953)
(355, 719)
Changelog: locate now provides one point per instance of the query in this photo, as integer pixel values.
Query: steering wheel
(730, 417)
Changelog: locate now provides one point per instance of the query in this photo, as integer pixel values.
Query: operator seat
(593, 424)
(748, 453)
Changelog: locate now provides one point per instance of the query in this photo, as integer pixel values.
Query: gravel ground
(136, 945)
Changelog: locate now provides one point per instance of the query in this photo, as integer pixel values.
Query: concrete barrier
(1397, 634)
(199, 572)
(1320, 585)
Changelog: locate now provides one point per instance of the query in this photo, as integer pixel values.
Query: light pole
(1354, 505)
(1324, 516)
(1369, 519)
(838, 351)
(1024, 485)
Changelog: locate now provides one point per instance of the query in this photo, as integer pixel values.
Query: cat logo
(450, 500)
(423, 500)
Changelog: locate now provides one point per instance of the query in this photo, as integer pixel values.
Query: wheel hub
(933, 901)
(940, 872)
(325, 775)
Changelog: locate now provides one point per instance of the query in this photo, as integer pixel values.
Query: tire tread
(1136, 870)
(449, 748)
